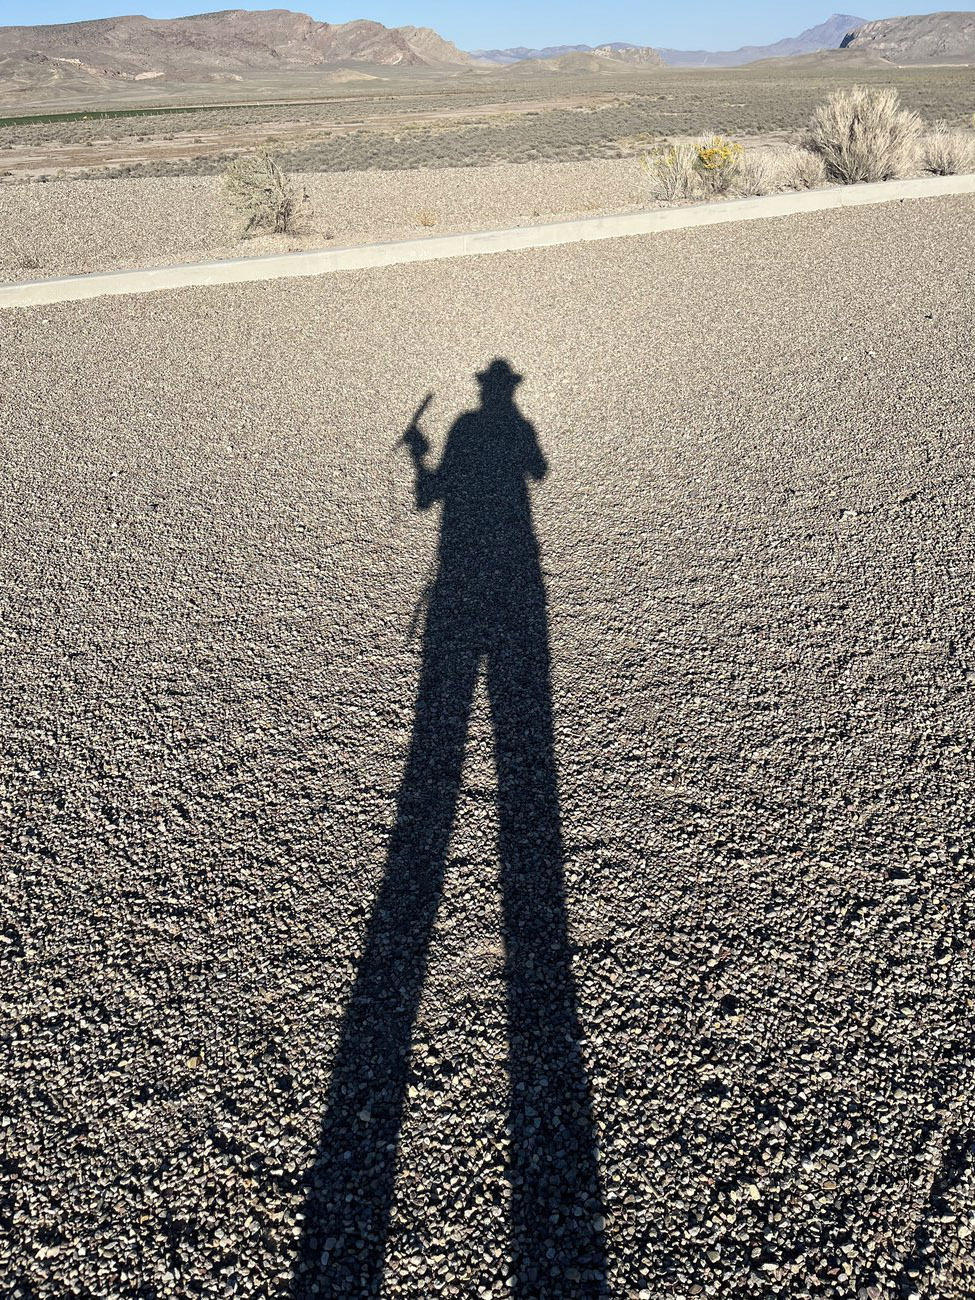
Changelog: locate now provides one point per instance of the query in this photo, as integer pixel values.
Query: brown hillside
(209, 47)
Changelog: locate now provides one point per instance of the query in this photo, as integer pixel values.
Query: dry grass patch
(709, 167)
(759, 172)
(947, 152)
(672, 172)
(716, 167)
(770, 171)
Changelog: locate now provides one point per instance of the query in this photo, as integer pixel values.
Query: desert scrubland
(421, 122)
(119, 191)
(425, 168)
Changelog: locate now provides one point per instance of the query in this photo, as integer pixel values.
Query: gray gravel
(107, 225)
(756, 539)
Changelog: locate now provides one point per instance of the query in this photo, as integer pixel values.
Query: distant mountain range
(827, 36)
(947, 37)
(624, 50)
(270, 46)
(601, 58)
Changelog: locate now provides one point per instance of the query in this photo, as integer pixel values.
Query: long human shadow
(486, 606)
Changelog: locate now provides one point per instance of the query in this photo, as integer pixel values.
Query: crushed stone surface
(640, 962)
(74, 227)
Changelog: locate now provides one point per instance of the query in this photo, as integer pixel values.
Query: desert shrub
(426, 217)
(769, 171)
(672, 172)
(259, 194)
(864, 134)
(947, 152)
(718, 163)
(759, 172)
(801, 169)
(798, 169)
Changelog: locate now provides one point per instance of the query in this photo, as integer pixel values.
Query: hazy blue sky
(692, 24)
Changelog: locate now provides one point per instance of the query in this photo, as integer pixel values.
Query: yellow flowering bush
(718, 163)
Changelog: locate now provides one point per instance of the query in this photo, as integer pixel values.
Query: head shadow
(486, 612)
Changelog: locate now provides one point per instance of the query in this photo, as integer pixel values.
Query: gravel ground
(49, 230)
(736, 935)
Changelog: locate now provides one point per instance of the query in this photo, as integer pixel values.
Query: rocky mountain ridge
(946, 37)
(219, 46)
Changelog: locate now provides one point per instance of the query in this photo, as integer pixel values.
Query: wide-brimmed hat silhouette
(498, 374)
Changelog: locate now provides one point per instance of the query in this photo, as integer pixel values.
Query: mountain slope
(620, 50)
(431, 47)
(517, 53)
(826, 36)
(947, 37)
(643, 55)
(214, 46)
(602, 58)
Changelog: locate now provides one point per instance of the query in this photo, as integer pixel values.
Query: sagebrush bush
(800, 169)
(260, 194)
(769, 171)
(947, 152)
(759, 173)
(864, 134)
(673, 172)
(718, 163)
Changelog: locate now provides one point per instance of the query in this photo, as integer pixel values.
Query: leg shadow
(556, 1201)
(351, 1185)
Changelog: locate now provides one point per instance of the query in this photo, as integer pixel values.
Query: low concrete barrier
(323, 261)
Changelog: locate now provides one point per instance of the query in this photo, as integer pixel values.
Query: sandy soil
(80, 226)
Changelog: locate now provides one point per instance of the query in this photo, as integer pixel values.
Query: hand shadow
(487, 604)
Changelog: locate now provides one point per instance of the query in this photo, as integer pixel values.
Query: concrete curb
(33, 293)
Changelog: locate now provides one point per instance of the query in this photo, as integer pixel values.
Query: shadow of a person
(487, 605)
